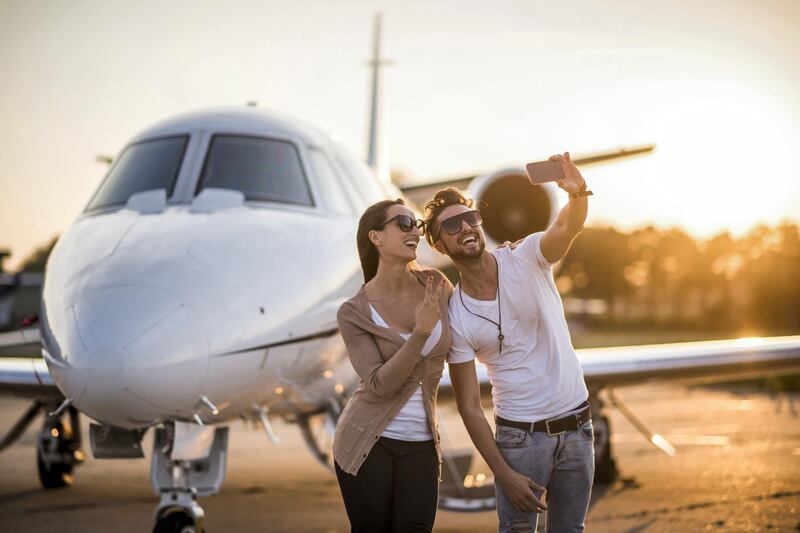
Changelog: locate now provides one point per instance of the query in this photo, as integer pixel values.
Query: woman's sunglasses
(453, 224)
(405, 223)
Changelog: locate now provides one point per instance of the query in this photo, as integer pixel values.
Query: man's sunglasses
(452, 225)
(405, 223)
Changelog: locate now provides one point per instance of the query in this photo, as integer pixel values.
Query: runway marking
(709, 428)
(682, 439)
(699, 440)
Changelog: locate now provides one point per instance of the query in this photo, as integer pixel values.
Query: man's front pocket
(508, 437)
(587, 430)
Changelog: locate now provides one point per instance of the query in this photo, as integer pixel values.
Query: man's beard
(459, 255)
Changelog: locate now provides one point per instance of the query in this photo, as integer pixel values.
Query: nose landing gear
(177, 522)
(187, 462)
(179, 511)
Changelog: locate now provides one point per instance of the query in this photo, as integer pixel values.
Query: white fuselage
(148, 310)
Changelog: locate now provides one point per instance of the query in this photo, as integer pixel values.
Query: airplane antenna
(375, 64)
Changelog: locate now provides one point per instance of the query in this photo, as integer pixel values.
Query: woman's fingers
(439, 289)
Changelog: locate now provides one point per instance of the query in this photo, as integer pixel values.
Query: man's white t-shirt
(538, 375)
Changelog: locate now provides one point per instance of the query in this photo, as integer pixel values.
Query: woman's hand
(512, 245)
(427, 312)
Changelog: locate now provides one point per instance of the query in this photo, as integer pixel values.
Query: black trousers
(396, 489)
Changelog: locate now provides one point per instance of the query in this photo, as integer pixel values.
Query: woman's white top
(411, 422)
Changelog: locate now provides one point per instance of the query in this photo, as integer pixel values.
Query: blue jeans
(564, 464)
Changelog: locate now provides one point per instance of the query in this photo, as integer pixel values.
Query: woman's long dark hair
(371, 219)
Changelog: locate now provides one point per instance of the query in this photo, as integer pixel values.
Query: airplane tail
(375, 64)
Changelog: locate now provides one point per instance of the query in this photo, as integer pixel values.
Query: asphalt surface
(737, 468)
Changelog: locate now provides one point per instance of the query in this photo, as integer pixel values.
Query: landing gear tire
(605, 469)
(177, 520)
(59, 450)
(56, 475)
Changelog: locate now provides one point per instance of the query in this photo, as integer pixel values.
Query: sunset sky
(476, 86)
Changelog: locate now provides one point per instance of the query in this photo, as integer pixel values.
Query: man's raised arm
(558, 238)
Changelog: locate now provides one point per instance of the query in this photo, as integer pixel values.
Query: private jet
(200, 286)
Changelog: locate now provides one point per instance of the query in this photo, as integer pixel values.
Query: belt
(554, 426)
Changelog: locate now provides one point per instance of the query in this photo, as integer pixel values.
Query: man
(507, 311)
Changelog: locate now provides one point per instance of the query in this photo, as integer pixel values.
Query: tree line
(665, 277)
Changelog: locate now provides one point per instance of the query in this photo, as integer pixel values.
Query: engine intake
(512, 207)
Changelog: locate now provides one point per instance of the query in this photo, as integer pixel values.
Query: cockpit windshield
(263, 169)
(141, 167)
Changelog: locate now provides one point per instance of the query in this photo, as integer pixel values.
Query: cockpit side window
(263, 169)
(330, 186)
(360, 173)
(143, 166)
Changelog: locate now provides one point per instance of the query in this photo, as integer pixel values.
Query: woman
(386, 445)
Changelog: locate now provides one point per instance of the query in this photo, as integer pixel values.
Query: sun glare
(727, 148)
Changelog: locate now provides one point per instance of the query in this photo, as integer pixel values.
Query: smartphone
(544, 171)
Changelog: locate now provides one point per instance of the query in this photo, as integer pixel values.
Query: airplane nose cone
(114, 318)
(129, 357)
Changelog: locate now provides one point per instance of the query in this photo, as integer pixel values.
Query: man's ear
(439, 247)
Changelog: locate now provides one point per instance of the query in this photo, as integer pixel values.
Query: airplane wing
(420, 193)
(28, 376)
(691, 362)
(688, 362)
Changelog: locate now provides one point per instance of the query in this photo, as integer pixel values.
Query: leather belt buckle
(553, 434)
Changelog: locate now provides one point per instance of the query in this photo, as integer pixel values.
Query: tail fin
(375, 63)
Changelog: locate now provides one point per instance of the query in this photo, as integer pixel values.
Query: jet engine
(511, 207)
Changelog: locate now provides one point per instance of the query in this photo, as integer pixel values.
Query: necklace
(499, 323)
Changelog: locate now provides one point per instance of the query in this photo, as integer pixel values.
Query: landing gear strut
(179, 511)
(188, 461)
(58, 449)
(317, 430)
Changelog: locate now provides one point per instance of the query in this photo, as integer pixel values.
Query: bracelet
(578, 194)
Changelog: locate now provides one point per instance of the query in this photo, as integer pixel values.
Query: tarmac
(737, 468)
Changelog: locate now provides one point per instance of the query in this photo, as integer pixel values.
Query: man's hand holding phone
(562, 170)
(573, 182)
(524, 493)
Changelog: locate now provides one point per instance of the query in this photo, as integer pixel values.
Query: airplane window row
(264, 169)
